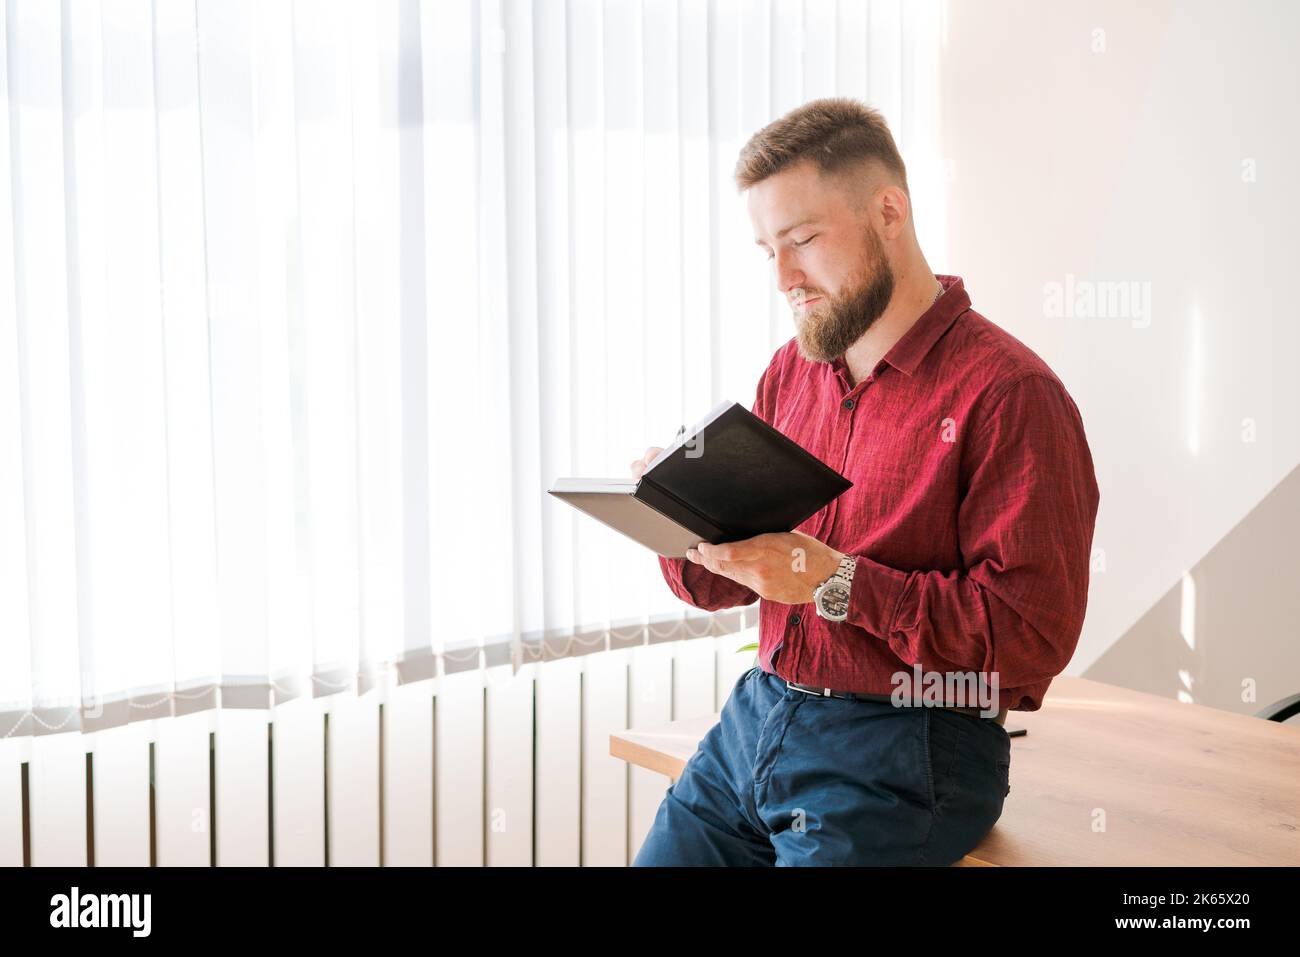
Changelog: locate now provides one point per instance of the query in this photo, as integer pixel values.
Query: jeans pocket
(742, 680)
(1004, 775)
(927, 760)
(945, 731)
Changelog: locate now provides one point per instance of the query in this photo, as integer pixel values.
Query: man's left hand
(784, 567)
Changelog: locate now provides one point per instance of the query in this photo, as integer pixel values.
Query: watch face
(834, 602)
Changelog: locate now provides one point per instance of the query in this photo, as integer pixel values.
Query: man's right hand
(639, 465)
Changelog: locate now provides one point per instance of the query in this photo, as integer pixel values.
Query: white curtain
(304, 305)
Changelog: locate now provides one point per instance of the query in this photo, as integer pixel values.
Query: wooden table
(1110, 777)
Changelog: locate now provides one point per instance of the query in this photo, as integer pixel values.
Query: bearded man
(961, 553)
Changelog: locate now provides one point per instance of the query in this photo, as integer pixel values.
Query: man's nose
(788, 274)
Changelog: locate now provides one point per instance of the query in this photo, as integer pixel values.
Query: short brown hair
(837, 133)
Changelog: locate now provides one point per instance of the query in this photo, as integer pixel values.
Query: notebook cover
(742, 475)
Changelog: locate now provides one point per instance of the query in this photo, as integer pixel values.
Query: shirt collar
(906, 354)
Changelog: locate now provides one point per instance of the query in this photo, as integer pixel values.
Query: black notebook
(730, 477)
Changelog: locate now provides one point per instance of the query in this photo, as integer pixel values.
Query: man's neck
(914, 293)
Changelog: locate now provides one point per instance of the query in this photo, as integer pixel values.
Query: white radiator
(492, 769)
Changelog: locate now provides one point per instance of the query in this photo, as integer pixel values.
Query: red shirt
(971, 514)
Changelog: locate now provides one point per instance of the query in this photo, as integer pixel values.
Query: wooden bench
(1110, 777)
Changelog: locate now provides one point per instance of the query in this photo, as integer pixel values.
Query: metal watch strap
(843, 575)
(848, 564)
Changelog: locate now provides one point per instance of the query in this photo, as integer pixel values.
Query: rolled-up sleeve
(1025, 525)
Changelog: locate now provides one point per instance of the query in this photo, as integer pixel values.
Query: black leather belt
(889, 699)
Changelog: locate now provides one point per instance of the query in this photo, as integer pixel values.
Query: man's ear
(894, 209)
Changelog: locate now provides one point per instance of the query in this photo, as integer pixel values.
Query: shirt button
(794, 619)
(849, 403)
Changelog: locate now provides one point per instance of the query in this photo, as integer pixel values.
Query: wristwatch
(831, 599)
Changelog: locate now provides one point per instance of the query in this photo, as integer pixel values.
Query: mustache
(848, 318)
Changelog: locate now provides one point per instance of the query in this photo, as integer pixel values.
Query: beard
(825, 331)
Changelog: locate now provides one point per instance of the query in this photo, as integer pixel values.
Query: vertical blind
(303, 305)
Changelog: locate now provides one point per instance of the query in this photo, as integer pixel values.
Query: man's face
(829, 261)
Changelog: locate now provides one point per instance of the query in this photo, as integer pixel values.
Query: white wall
(1128, 164)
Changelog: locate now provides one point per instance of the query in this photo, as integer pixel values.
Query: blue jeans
(787, 778)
